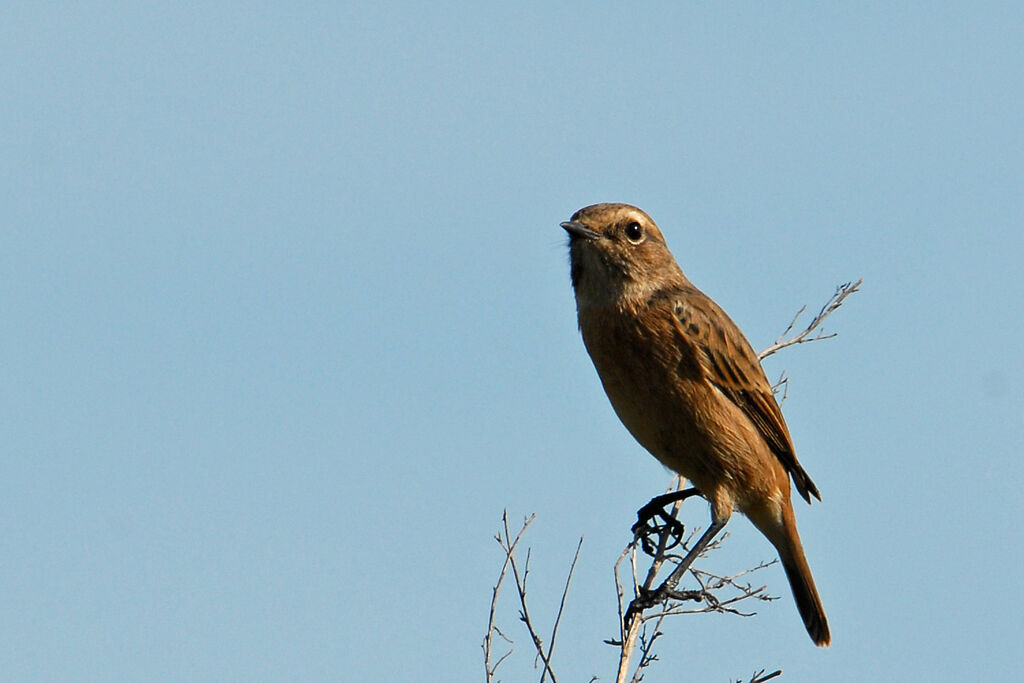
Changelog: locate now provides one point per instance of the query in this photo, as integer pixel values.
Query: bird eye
(634, 233)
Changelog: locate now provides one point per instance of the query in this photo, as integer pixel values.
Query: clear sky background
(287, 323)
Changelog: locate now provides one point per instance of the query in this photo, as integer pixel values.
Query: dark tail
(791, 552)
(807, 600)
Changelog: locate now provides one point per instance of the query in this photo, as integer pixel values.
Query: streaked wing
(728, 361)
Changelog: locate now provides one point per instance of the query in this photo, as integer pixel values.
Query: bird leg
(644, 529)
(702, 543)
(667, 590)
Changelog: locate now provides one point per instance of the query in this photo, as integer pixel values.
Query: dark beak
(577, 229)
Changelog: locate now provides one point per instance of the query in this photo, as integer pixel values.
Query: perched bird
(687, 384)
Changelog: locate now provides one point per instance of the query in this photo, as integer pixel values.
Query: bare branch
(781, 386)
(647, 656)
(509, 546)
(760, 676)
(836, 300)
(524, 614)
(561, 605)
(639, 627)
(521, 574)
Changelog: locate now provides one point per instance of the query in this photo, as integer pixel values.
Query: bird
(688, 386)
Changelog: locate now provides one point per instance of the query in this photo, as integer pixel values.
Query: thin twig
(761, 677)
(561, 605)
(647, 656)
(781, 386)
(509, 546)
(524, 613)
(834, 302)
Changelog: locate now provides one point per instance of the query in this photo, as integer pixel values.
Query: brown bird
(687, 384)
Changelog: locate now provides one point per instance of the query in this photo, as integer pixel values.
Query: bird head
(617, 252)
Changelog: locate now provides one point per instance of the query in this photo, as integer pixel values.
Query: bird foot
(649, 597)
(653, 520)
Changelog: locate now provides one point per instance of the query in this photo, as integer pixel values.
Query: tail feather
(787, 541)
(807, 600)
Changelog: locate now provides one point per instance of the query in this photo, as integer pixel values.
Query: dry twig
(781, 386)
(508, 544)
(761, 676)
(836, 300)
(561, 604)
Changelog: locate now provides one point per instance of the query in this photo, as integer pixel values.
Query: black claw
(647, 599)
(656, 524)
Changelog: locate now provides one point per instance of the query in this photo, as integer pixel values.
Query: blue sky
(287, 324)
